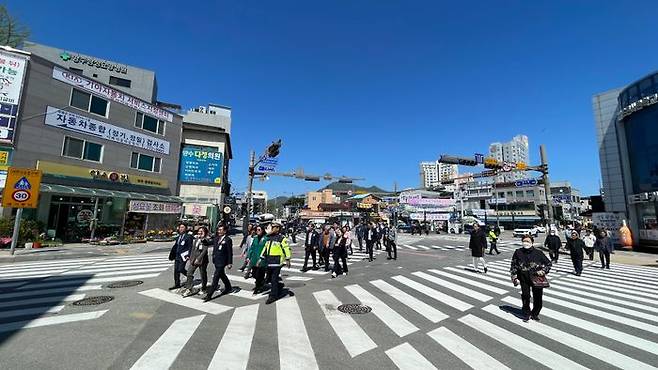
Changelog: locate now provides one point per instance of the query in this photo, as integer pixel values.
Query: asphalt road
(428, 310)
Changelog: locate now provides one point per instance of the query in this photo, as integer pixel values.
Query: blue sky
(370, 88)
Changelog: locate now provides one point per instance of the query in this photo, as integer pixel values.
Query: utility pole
(252, 165)
(547, 184)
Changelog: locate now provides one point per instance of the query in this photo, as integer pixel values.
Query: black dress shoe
(207, 298)
(535, 317)
(486, 270)
(270, 300)
(174, 287)
(314, 268)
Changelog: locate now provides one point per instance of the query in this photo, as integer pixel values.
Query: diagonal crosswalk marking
(355, 340)
(469, 282)
(598, 296)
(606, 291)
(600, 304)
(398, 324)
(189, 302)
(456, 287)
(51, 320)
(604, 331)
(644, 292)
(464, 350)
(234, 348)
(163, 353)
(410, 247)
(422, 308)
(434, 294)
(405, 357)
(604, 354)
(45, 300)
(520, 344)
(602, 276)
(30, 311)
(422, 247)
(465, 270)
(295, 351)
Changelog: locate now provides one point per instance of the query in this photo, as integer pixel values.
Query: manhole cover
(354, 308)
(91, 301)
(294, 285)
(125, 284)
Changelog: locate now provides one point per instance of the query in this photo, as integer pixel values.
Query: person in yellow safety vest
(493, 240)
(275, 254)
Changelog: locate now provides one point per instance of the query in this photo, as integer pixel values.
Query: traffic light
(273, 149)
(448, 159)
(492, 163)
(345, 180)
(312, 178)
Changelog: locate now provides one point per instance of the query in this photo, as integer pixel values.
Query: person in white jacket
(589, 240)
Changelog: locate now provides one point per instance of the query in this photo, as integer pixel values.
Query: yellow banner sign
(22, 188)
(364, 205)
(101, 175)
(4, 157)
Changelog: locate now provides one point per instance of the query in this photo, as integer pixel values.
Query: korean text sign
(74, 122)
(201, 165)
(22, 188)
(12, 70)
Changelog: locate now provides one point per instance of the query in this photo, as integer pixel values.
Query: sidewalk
(74, 250)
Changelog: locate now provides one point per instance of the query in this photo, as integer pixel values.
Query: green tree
(12, 32)
(295, 201)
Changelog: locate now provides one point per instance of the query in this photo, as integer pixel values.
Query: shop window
(530, 193)
(82, 149)
(145, 162)
(519, 194)
(89, 103)
(76, 70)
(149, 123)
(118, 81)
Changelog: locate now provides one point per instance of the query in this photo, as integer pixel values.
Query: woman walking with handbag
(478, 244)
(529, 268)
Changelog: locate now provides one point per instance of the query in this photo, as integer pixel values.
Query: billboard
(201, 165)
(12, 70)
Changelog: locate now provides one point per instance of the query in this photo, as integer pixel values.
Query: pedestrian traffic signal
(345, 180)
(273, 149)
(448, 159)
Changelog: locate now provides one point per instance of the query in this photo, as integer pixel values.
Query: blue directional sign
(525, 182)
(201, 165)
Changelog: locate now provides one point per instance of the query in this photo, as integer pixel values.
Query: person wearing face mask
(553, 243)
(340, 253)
(257, 245)
(576, 246)
(589, 239)
(529, 268)
(604, 246)
(478, 244)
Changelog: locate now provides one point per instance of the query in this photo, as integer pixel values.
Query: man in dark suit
(311, 245)
(222, 257)
(371, 238)
(180, 253)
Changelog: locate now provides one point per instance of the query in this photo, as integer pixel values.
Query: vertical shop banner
(12, 71)
(201, 165)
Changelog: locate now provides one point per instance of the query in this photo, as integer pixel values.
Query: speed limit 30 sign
(21, 188)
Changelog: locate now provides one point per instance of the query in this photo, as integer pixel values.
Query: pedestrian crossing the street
(421, 318)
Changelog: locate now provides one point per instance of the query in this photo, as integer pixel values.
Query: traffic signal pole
(547, 184)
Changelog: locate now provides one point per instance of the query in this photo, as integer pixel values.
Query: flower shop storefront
(79, 214)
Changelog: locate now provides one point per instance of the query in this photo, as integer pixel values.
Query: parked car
(520, 232)
(540, 229)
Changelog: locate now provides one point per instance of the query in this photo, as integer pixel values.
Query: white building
(432, 173)
(513, 151)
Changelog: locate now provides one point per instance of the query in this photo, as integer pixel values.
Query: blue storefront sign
(201, 165)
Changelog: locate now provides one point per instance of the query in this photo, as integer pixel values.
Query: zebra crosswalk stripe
(398, 324)
(295, 351)
(355, 340)
(456, 287)
(422, 308)
(193, 303)
(604, 354)
(606, 292)
(610, 333)
(469, 282)
(30, 311)
(234, 348)
(410, 247)
(520, 344)
(433, 293)
(405, 357)
(51, 320)
(464, 350)
(608, 299)
(163, 353)
(45, 300)
(644, 292)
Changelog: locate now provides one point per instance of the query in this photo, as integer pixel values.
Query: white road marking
(189, 302)
(434, 294)
(163, 353)
(468, 281)
(456, 287)
(234, 348)
(604, 354)
(355, 340)
(295, 351)
(520, 344)
(31, 293)
(398, 324)
(599, 304)
(51, 320)
(422, 308)
(410, 246)
(30, 311)
(46, 300)
(405, 357)
(464, 350)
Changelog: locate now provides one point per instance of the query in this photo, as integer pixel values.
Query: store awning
(89, 192)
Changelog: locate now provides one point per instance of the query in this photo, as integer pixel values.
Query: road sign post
(21, 191)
